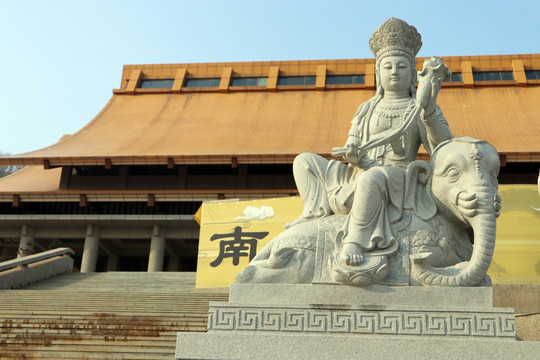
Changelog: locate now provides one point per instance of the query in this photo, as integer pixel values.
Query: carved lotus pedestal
(317, 321)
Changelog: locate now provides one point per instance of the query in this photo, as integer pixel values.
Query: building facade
(122, 192)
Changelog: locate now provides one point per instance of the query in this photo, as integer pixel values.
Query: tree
(6, 170)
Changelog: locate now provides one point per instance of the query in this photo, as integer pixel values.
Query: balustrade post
(27, 241)
(91, 248)
(157, 250)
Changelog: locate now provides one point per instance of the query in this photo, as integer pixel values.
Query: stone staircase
(115, 315)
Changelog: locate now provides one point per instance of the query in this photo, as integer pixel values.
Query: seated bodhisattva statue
(385, 136)
(381, 216)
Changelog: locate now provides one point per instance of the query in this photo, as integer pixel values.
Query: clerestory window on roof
(249, 81)
(345, 79)
(296, 80)
(493, 75)
(455, 77)
(156, 83)
(209, 82)
(532, 74)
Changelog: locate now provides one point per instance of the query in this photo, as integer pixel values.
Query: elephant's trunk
(484, 226)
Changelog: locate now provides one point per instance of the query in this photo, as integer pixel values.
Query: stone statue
(385, 136)
(380, 217)
(372, 218)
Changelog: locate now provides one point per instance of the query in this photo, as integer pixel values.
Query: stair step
(103, 316)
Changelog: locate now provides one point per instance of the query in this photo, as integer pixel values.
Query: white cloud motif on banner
(252, 212)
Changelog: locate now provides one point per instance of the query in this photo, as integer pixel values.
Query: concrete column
(27, 242)
(91, 248)
(157, 250)
(112, 263)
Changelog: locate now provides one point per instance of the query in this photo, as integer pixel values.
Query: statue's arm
(434, 129)
(434, 124)
(354, 139)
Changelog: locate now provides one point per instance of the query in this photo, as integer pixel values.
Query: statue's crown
(395, 34)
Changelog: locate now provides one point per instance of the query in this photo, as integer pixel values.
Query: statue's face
(395, 74)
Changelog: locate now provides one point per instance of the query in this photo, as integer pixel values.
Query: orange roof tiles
(158, 127)
(31, 177)
(271, 127)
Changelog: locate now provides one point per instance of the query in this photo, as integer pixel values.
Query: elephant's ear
(418, 189)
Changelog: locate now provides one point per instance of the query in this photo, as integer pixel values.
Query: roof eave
(171, 160)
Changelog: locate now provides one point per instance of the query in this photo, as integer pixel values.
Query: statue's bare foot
(351, 254)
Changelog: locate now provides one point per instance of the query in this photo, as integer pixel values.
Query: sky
(62, 59)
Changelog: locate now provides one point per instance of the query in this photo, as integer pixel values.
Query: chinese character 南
(238, 245)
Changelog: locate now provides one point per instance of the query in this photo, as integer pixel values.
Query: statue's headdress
(395, 34)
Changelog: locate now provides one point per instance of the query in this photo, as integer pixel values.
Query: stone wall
(525, 299)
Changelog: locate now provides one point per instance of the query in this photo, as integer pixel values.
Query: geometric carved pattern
(434, 323)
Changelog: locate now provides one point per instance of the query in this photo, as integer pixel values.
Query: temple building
(122, 192)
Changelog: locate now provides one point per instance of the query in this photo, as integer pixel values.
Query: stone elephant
(450, 204)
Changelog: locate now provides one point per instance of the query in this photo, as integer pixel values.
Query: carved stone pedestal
(318, 322)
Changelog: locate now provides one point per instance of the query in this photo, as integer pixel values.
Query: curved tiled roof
(160, 127)
(213, 127)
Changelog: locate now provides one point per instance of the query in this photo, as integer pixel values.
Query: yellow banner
(232, 232)
(517, 249)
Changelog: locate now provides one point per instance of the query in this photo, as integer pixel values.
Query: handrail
(23, 261)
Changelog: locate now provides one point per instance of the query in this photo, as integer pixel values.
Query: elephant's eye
(453, 174)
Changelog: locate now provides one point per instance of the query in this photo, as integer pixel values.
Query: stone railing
(33, 268)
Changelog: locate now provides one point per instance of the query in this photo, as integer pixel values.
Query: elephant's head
(459, 184)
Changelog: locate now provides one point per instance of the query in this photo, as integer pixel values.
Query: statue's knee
(304, 161)
(369, 177)
(304, 158)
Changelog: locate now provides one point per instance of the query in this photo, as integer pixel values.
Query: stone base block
(268, 346)
(362, 320)
(323, 321)
(374, 295)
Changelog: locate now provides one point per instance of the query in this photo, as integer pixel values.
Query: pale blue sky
(61, 59)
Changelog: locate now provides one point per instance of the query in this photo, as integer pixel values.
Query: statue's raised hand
(429, 83)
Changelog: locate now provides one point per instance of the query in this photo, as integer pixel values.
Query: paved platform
(324, 321)
(323, 347)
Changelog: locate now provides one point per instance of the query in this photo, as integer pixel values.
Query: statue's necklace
(391, 110)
